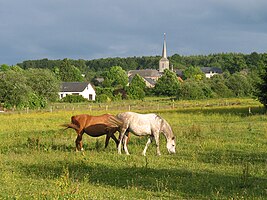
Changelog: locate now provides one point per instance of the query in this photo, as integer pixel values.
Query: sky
(92, 29)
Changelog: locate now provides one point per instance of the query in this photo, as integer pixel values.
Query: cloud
(57, 29)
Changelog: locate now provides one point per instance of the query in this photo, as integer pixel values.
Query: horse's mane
(164, 122)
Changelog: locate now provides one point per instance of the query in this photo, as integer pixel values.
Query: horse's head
(167, 131)
(171, 145)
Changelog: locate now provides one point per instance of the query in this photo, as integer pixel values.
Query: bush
(36, 101)
(217, 84)
(191, 89)
(102, 98)
(239, 84)
(74, 99)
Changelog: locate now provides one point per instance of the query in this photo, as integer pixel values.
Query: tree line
(243, 75)
(231, 62)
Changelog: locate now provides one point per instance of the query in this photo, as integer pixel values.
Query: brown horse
(94, 126)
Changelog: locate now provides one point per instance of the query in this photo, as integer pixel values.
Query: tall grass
(221, 154)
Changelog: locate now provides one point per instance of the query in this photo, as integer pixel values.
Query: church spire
(164, 62)
(164, 50)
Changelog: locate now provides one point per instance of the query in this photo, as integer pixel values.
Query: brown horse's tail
(73, 126)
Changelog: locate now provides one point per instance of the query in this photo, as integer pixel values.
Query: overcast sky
(91, 29)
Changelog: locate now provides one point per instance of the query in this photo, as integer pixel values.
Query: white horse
(145, 124)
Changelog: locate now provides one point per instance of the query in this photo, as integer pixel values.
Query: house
(145, 73)
(84, 89)
(150, 82)
(211, 71)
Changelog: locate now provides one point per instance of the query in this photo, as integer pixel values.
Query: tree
(136, 89)
(234, 62)
(4, 67)
(116, 77)
(44, 83)
(191, 89)
(261, 91)
(14, 91)
(167, 85)
(218, 86)
(68, 72)
(239, 84)
(194, 72)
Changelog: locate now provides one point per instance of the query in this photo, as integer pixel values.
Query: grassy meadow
(221, 153)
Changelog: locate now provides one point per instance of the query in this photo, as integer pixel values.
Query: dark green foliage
(107, 91)
(27, 88)
(74, 99)
(239, 85)
(191, 89)
(14, 91)
(68, 72)
(43, 82)
(36, 101)
(116, 77)
(217, 85)
(193, 73)
(136, 89)
(232, 62)
(243, 84)
(167, 85)
(103, 98)
(261, 91)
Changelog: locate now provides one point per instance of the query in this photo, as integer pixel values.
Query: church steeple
(164, 50)
(164, 62)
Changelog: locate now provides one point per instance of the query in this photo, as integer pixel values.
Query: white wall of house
(210, 74)
(88, 93)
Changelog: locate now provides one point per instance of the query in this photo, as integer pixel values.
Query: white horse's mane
(164, 122)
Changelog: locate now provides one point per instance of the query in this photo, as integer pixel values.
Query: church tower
(164, 62)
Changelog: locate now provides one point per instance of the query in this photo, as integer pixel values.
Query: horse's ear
(173, 138)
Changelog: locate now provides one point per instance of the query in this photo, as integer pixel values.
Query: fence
(148, 105)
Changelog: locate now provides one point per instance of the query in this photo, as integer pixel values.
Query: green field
(221, 153)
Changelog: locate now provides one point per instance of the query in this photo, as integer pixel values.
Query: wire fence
(144, 106)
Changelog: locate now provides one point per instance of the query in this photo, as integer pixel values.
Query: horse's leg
(125, 138)
(78, 141)
(107, 140)
(115, 139)
(122, 132)
(156, 136)
(150, 139)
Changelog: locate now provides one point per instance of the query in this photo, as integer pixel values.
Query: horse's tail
(115, 121)
(73, 126)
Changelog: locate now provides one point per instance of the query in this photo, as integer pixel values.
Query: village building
(211, 71)
(151, 76)
(85, 89)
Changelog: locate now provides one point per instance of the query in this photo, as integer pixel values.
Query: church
(151, 76)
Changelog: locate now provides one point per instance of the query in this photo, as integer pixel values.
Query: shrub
(191, 89)
(102, 98)
(74, 99)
